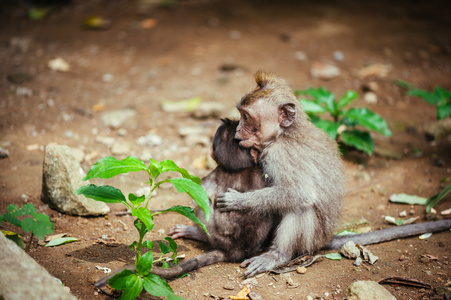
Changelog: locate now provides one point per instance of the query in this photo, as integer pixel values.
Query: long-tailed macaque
(234, 235)
(306, 174)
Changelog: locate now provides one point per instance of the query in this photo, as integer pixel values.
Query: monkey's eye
(245, 117)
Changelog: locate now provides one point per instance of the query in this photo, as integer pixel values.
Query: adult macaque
(307, 180)
(305, 169)
(234, 235)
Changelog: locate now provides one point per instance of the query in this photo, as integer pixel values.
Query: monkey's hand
(263, 263)
(229, 201)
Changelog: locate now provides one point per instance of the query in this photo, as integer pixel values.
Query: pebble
(121, 148)
(403, 213)
(24, 91)
(116, 118)
(229, 286)
(338, 56)
(370, 97)
(107, 77)
(358, 261)
(299, 55)
(350, 250)
(208, 110)
(150, 140)
(58, 64)
(301, 270)
(235, 35)
(106, 140)
(323, 70)
(3, 153)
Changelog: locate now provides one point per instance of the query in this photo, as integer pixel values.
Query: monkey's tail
(388, 234)
(192, 264)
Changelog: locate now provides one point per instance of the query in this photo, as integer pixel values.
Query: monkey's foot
(184, 231)
(263, 263)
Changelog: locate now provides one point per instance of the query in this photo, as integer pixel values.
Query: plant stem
(140, 243)
(29, 242)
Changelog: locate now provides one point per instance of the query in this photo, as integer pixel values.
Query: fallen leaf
(425, 236)
(61, 241)
(96, 22)
(333, 256)
(242, 295)
(54, 237)
(187, 105)
(408, 199)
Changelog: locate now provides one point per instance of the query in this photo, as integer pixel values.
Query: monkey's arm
(261, 200)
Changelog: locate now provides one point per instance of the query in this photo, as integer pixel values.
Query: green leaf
(443, 110)
(333, 256)
(329, 127)
(174, 297)
(14, 212)
(172, 244)
(145, 216)
(164, 249)
(404, 84)
(148, 244)
(135, 200)
(15, 237)
(104, 193)
(156, 286)
(368, 119)
(187, 212)
(346, 99)
(145, 263)
(61, 241)
(168, 165)
(133, 245)
(39, 224)
(155, 168)
(322, 96)
(196, 192)
(346, 232)
(358, 139)
(432, 201)
(109, 166)
(441, 94)
(311, 107)
(128, 281)
(408, 199)
(138, 225)
(427, 96)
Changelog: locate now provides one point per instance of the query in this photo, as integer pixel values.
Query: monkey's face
(259, 122)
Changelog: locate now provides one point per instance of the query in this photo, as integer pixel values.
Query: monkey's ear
(287, 113)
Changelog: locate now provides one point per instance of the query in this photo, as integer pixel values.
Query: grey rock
(368, 290)
(62, 175)
(23, 278)
(116, 118)
(350, 250)
(436, 130)
(208, 110)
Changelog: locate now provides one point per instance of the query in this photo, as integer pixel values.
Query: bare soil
(189, 53)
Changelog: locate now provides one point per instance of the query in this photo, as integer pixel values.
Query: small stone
(3, 153)
(122, 132)
(301, 270)
(229, 286)
(299, 55)
(350, 250)
(338, 56)
(358, 261)
(24, 91)
(121, 148)
(323, 70)
(370, 97)
(58, 64)
(235, 35)
(107, 77)
(104, 237)
(208, 110)
(116, 118)
(403, 214)
(377, 70)
(149, 140)
(106, 140)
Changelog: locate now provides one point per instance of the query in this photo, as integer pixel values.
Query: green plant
(342, 123)
(440, 97)
(132, 282)
(38, 224)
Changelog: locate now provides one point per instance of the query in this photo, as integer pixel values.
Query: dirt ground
(211, 49)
